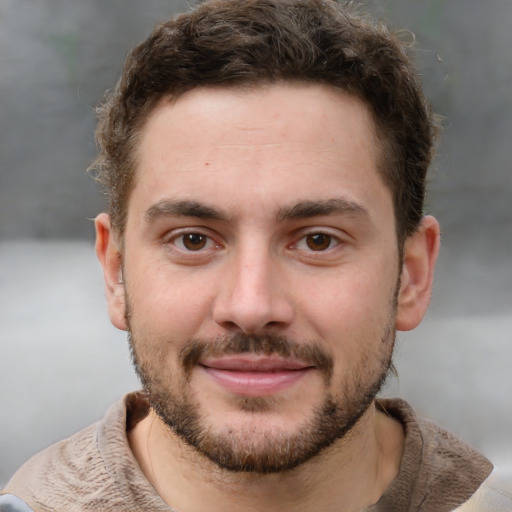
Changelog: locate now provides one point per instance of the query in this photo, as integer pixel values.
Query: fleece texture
(95, 470)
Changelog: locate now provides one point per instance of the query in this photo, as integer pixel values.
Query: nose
(252, 296)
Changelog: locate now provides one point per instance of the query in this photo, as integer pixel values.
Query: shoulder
(60, 470)
(434, 448)
(69, 473)
(494, 495)
(57, 456)
(442, 448)
(438, 471)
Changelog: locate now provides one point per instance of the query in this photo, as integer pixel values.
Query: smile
(255, 376)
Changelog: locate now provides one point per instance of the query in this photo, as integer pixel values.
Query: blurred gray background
(62, 364)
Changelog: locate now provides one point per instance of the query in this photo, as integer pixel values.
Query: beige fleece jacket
(95, 470)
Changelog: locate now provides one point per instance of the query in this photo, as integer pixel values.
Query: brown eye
(194, 241)
(319, 241)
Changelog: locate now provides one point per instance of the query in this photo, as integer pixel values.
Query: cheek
(168, 305)
(352, 312)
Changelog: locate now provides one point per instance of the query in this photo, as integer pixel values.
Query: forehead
(268, 146)
(292, 111)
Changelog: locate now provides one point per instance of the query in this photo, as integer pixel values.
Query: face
(260, 271)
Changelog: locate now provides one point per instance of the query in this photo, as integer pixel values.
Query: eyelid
(313, 230)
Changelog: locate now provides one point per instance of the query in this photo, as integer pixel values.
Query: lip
(255, 375)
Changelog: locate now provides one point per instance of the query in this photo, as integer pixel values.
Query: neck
(349, 476)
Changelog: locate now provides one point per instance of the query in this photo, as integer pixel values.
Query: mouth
(253, 375)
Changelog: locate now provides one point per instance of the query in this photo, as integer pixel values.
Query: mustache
(311, 354)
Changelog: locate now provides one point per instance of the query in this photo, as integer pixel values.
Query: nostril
(230, 326)
(252, 328)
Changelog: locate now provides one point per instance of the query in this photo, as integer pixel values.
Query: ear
(420, 255)
(109, 254)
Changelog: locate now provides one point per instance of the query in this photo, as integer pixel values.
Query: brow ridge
(308, 208)
(301, 210)
(186, 208)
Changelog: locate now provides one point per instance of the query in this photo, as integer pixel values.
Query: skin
(252, 157)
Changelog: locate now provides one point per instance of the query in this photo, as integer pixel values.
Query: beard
(259, 448)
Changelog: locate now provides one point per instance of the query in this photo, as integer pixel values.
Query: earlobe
(420, 255)
(110, 257)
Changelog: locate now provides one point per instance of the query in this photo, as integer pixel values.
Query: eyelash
(178, 241)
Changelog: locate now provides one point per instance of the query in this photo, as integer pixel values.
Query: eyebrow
(308, 209)
(185, 208)
(300, 210)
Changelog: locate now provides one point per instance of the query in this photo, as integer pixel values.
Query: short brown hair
(243, 43)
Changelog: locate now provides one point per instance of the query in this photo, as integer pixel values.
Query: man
(265, 165)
